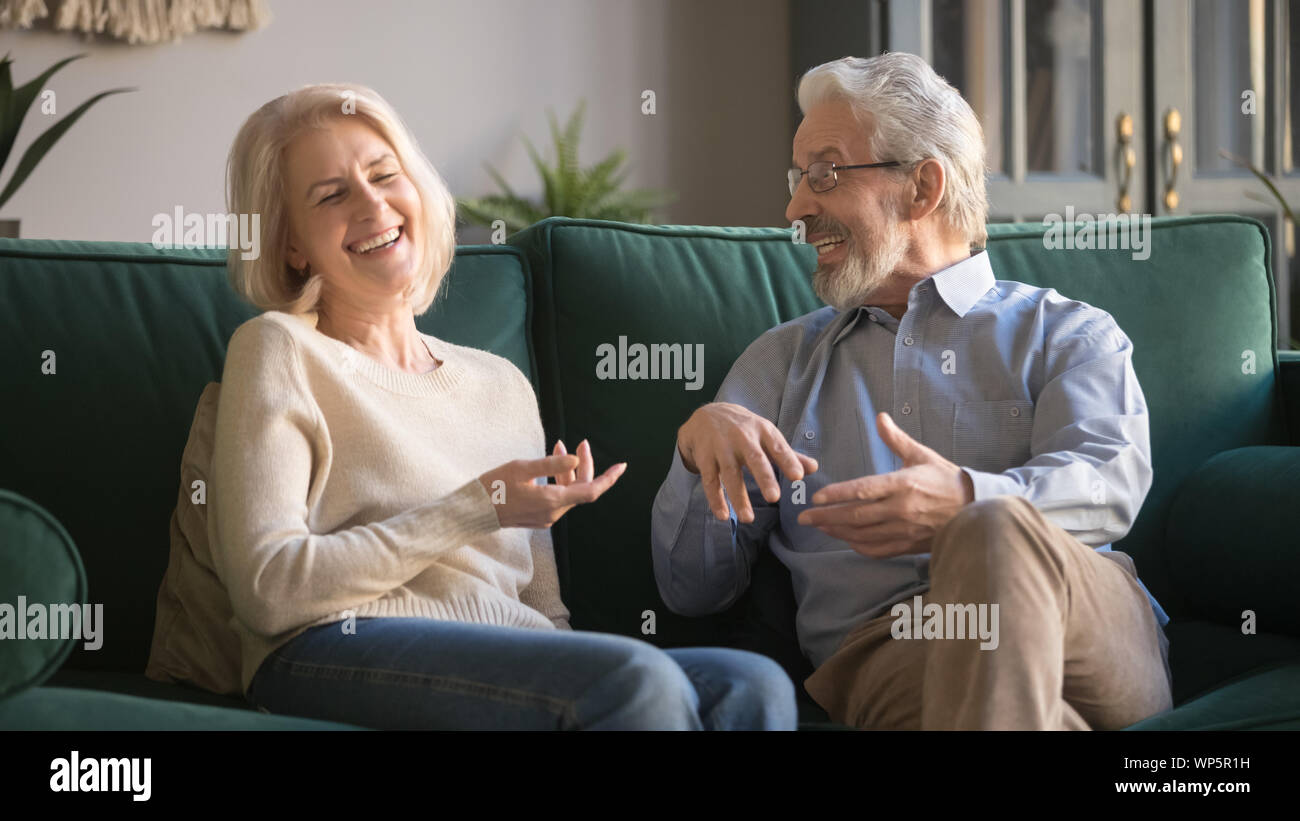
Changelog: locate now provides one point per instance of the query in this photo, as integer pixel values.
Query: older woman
(356, 462)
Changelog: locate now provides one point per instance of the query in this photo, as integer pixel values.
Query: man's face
(857, 226)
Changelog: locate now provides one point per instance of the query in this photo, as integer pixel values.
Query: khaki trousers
(1078, 645)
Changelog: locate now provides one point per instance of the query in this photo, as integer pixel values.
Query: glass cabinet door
(1057, 85)
(1223, 99)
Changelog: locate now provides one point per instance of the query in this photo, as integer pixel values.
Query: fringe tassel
(140, 21)
(21, 13)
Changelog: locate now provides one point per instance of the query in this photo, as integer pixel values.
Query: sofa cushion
(39, 568)
(1259, 700)
(1233, 527)
(597, 282)
(94, 429)
(1204, 655)
(1201, 312)
(135, 684)
(59, 708)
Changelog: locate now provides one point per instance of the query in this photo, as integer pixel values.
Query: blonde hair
(255, 174)
(917, 115)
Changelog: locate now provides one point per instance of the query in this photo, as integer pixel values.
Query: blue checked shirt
(1031, 393)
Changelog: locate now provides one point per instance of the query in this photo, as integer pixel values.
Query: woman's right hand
(522, 503)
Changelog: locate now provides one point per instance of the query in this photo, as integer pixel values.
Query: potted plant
(14, 104)
(568, 190)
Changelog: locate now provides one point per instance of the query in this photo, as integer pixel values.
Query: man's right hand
(721, 437)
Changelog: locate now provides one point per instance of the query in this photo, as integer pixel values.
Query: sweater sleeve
(543, 592)
(267, 445)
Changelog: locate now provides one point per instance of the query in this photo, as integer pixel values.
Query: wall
(469, 78)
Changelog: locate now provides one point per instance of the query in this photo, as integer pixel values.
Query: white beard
(863, 270)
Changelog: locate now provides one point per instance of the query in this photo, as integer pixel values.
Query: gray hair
(917, 116)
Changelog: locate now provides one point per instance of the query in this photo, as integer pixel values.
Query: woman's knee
(640, 687)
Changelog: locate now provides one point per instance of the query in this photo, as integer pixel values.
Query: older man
(936, 441)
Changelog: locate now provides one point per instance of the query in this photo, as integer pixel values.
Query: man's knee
(982, 525)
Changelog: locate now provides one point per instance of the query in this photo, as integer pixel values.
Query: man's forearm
(699, 567)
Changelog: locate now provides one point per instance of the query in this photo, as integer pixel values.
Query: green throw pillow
(42, 591)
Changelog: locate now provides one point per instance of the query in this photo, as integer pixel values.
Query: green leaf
(568, 189)
(1246, 164)
(42, 144)
(501, 181)
(517, 214)
(599, 181)
(550, 188)
(567, 171)
(15, 103)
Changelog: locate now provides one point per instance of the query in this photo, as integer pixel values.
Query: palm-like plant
(14, 104)
(568, 190)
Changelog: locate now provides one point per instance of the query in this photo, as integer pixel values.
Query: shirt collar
(964, 283)
(960, 285)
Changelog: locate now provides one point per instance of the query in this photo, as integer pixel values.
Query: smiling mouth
(378, 242)
(827, 244)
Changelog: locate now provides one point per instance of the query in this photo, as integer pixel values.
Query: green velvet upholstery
(39, 565)
(60, 708)
(597, 281)
(1244, 491)
(1271, 695)
(1203, 298)
(138, 332)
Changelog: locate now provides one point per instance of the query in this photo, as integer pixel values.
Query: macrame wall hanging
(137, 21)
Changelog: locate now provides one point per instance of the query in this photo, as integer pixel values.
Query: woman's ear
(294, 256)
(930, 182)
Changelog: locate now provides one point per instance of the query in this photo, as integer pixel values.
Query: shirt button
(906, 409)
(1015, 411)
(907, 341)
(871, 316)
(809, 435)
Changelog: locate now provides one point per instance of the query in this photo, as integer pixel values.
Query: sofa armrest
(1233, 538)
(1288, 363)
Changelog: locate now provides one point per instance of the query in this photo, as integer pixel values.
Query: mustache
(821, 225)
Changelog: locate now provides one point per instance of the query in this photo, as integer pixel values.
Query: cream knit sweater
(340, 485)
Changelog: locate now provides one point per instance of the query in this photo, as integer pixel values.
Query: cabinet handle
(1127, 159)
(1174, 150)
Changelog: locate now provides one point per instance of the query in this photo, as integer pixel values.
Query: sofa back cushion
(1201, 312)
(105, 349)
(1202, 298)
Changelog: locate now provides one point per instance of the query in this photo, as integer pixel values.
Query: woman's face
(346, 192)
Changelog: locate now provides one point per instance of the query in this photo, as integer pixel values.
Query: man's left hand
(891, 514)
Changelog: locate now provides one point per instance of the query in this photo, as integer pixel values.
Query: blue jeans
(416, 673)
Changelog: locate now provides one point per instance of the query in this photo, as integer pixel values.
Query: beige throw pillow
(193, 641)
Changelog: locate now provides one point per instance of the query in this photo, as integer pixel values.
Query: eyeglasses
(823, 175)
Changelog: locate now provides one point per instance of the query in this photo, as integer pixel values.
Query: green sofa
(90, 454)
